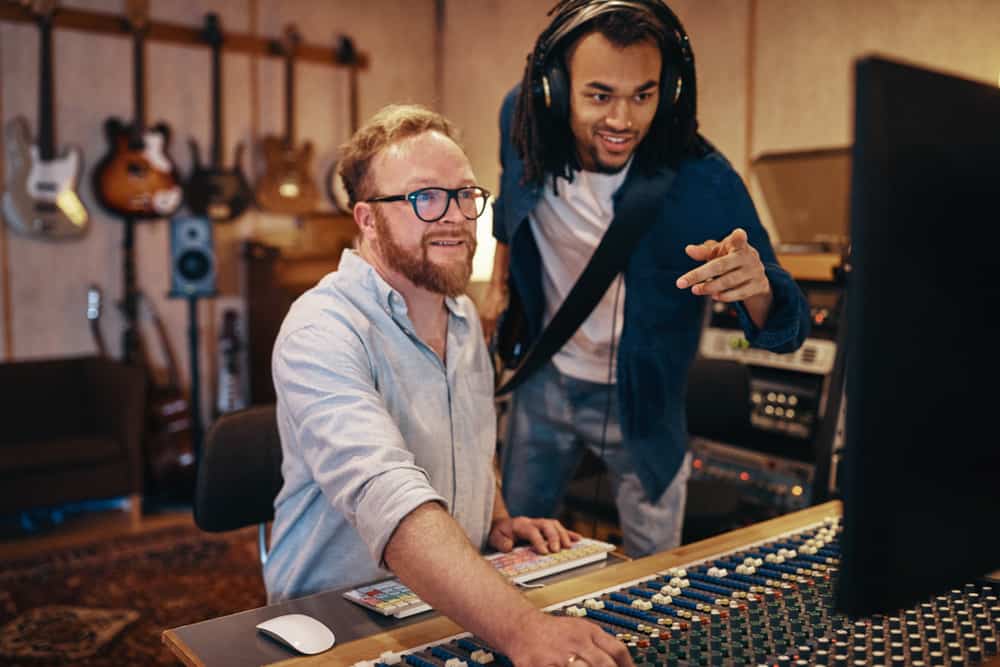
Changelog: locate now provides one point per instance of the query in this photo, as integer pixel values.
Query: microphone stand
(196, 427)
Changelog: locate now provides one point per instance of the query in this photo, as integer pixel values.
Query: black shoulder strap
(638, 206)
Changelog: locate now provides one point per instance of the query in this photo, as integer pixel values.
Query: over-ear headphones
(550, 81)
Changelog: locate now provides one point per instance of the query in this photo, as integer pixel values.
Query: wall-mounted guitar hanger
(174, 33)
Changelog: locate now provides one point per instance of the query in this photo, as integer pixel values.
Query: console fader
(767, 604)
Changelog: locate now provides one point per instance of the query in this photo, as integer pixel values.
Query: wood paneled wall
(47, 282)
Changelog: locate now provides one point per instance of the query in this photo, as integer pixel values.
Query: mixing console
(766, 604)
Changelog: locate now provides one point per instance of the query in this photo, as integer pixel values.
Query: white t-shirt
(567, 229)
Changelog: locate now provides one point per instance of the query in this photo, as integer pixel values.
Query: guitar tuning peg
(345, 50)
(292, 35)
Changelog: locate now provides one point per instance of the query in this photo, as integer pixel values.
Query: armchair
(71, 431)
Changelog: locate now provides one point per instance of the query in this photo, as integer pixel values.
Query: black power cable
(607, 404)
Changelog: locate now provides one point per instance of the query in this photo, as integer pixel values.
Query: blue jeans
(553, 418)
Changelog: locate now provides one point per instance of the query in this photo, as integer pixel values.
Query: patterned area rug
(106, 604)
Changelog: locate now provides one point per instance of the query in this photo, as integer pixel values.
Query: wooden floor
(89, 527)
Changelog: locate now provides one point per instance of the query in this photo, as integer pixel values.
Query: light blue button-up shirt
(373, 424)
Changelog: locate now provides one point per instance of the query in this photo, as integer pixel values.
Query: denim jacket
(662, 324)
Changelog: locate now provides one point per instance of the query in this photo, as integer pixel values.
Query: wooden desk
(363, 635)
(231, 641)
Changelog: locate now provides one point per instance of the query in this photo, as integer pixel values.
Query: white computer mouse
(303, 633)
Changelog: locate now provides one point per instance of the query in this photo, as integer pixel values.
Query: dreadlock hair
(545, 143)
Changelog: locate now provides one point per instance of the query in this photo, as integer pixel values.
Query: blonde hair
(388, 126)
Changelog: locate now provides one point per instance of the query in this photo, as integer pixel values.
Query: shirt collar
(355, 267)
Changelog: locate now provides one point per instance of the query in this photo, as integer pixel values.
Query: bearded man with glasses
(385, 408)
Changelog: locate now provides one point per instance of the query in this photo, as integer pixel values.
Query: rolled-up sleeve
(788, 322)
(345, 435)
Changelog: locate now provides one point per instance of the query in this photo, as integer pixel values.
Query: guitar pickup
(218, 211)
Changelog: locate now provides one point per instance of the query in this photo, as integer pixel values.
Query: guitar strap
(639, 202)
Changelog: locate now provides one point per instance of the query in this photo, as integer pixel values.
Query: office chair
(240, 473)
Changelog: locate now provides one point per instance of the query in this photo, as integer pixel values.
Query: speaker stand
(196, 432)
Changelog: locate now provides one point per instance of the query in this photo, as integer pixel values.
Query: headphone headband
(569, 20)
(551, 84)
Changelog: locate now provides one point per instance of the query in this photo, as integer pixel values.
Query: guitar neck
(130, 305)
(139, 81)
(173, 374)
(289, 98)
(46, 125)
(95, 331)
(94, 307)
(217, 105)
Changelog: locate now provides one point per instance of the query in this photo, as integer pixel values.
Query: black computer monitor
(921, 476)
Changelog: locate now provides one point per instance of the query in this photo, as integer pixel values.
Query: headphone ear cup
(558, 91)
(672, 85)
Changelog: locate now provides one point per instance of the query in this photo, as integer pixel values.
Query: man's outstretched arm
(431, 554)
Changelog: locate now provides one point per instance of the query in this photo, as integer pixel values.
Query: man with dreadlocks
(608, 94)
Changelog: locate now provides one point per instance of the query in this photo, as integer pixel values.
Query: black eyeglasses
(430, 204)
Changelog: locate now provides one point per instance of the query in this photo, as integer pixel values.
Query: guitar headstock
(44, 9)
(346, 53)
(212, 32)
(292, 40)
(94, 299)
(137, 14)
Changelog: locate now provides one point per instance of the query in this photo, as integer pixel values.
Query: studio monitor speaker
(192, 257)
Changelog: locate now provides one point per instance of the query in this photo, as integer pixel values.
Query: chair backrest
(240, 472)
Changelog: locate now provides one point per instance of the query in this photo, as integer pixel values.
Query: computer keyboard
(521, 565)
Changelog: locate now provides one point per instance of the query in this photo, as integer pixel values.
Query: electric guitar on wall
(213, 191)
(287, 185)
(169, 444)
(137, 179)
(40, 198)
(167, 441)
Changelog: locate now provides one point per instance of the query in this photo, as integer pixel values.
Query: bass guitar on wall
(213, 191)
(40, 198)
(137, 179)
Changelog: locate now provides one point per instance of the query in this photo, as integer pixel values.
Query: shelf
(174, 33)
(811, 266)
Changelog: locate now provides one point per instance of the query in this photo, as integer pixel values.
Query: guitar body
(169, 441)
(137, 178)
(219, 194)
(287, 185)
(169, 447)
(40, 197)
